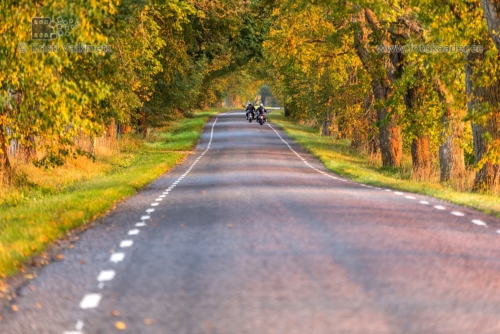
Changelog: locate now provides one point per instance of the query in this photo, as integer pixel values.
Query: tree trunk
(29, 149)
(112, 133)
(287, 111)
(488, 176)
(420, 151)
(4, 156)
(382, 70)
(451, 154)
(143, 124)
(491, 10)
(391, 142)
(421, 158)
(326, 124)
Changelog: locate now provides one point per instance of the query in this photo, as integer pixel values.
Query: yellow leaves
(120, 325)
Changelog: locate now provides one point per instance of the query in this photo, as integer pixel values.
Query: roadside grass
(48, 203)
(339, 157)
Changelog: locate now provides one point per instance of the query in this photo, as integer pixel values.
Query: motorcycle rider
(250, 108)
(261, 110)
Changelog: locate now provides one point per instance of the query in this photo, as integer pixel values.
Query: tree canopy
(395, 77)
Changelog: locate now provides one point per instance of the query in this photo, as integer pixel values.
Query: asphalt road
(252, 235)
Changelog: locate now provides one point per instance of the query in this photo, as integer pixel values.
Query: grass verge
(338, 157)
(53, 202)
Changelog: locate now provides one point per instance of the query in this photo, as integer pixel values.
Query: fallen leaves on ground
(148, 321)
(115, 313)
(15, 308)
(59, 256)
(38, 305)
(120, 325)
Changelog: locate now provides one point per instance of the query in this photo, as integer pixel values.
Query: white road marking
(162, 196)
(133, 232)
(457, 213)
(398, 193)
(159, 199)
(410, 197)
(498, 231)
(145, 217)
(106, 275)
(424, 202)
(126, 243)
(90, 300)
(155, 204)
(439, 207)
(479, 222)
(117, 257)
(388, 190)
(150, 210)
(140, 224)
(73, 332)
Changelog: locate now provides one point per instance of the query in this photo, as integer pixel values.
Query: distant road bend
(250, 235)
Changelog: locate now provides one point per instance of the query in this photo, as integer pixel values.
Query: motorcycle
(261, 119)
(251, 116)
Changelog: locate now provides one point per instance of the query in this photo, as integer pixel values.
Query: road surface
(251, 235)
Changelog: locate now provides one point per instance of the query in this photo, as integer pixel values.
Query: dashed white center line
(398, 193)
(479, 222)
(439, 207)
(117, 257)
(126, 243)
(410, 197)
(424, 202)
(133, 232)
(162, 196)
(79, 325)
(106, 275)
(150, 210)
(140, 224)
(159, 199)
(145, 217)
(90, 300)
(457, 213)
(155, 204)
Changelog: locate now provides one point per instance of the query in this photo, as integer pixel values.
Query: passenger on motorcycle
(250, 108)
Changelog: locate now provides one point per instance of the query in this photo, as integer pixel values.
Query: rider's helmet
(261, 105)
